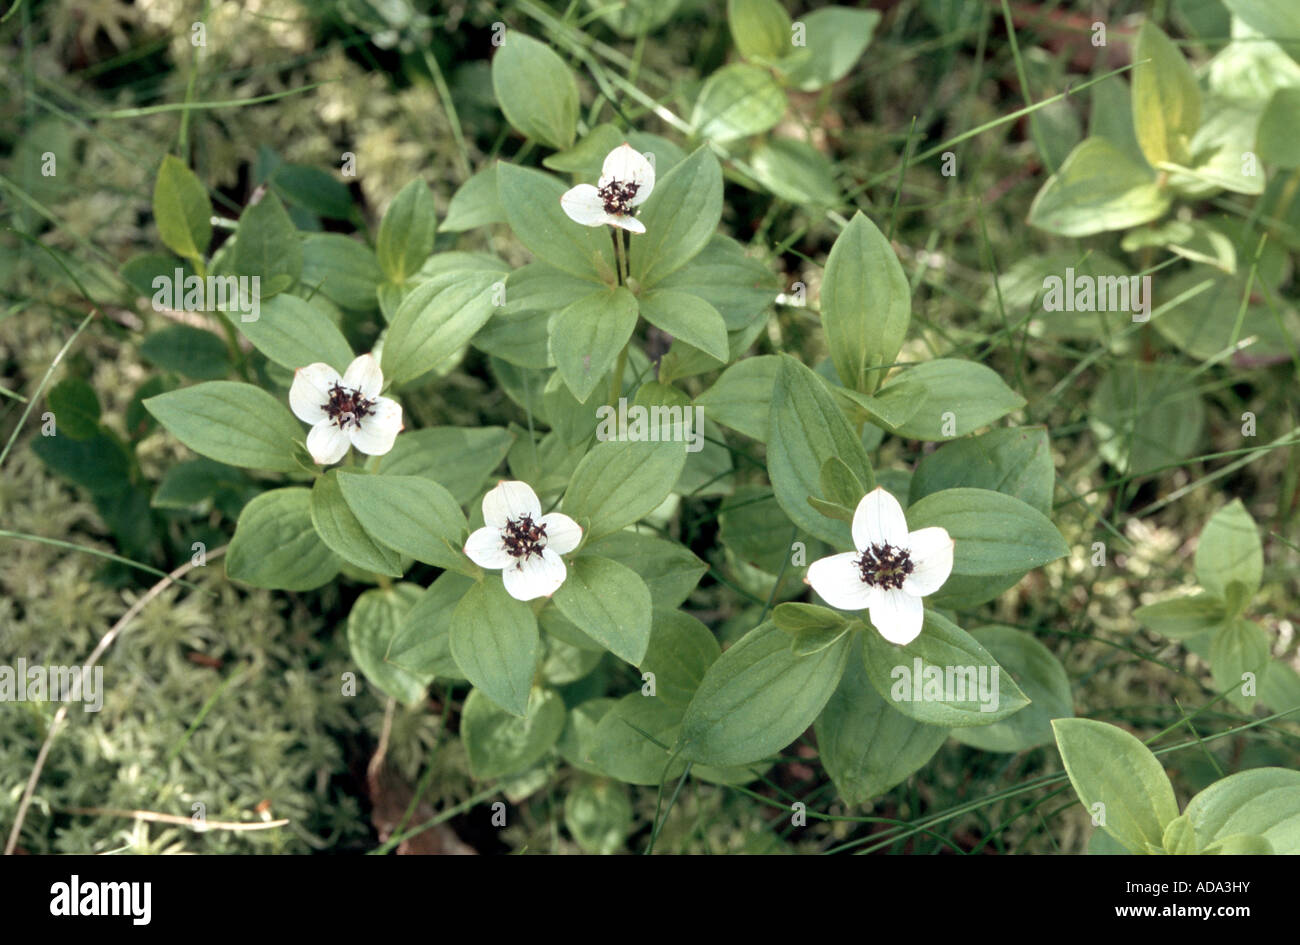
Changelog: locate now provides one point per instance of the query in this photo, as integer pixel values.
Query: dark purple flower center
(524, 537)
(347, 406)
(885, 566)
(618, 197)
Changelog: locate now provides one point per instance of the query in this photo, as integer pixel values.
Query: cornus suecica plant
(626, 180)
(891, 570)
(345, 411)
(522, 543)
(630, 604)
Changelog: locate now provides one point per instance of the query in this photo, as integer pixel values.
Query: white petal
(563, 534)
(510, 501)
(310, 391)
(898, 616)
(838, 581)
(363, 375)
(583, 204)
(931, 550)
(486, 549)
(327, 443)
(535, 576)
(375, 435)
(627, 165)
(631, 224)
(879, 520)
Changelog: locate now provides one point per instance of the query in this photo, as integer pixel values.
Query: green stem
(616, 381)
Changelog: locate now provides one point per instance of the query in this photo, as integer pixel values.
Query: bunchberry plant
(672, 449)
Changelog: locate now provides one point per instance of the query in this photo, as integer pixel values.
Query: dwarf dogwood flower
(626, 179)
(891, 570)
(345, 411)
(521, 542)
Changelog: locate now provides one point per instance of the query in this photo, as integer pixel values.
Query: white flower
(522, 542)
(626, 179)
(891, 570)
(345, 411)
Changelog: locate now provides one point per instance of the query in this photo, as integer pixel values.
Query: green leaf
(1146, 417)
(458, 458)
(741, 398)
(495, 643)
(1263, 802)
(1179, 837)
(995, 534)
(294, 333)
(181, 209)
(620, 482)
(1229, 551)
(313, 189)
(680, 216)
(499, 743)
(587, 336)
(412, 515)
(276, 545)
(579, 735)
(233, 423)
(634, 739)
(422, 643)
(532, 206)
(267, 245)
(99, 464)
(866, 745)
(195, 483)
(1275, 140)
(1097, 188)
(680, 652)
(960, 397)
(434, 322)
(1237, 649)
(806, 429)
(758, 697)
(796, 171)
(668, 568)
(341, 269)
(475, 204)
(76, 408)
(956, 684)
(1166, 98)
(372, 625)
(1039, 675)
(737, 101)
(608, 602)
(407, 231)
(834, 40)
(1016, 461)
(1111, 768)
(599, 816)
(536, 90)
(186, 350)
(1183, 617)
(688, 317)
(866, 304)
(761, 28)
(339, 528)
(738, 286)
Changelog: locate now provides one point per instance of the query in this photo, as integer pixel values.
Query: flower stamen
(618, 197)
(523, 537)
(883, 565)
(347, 406)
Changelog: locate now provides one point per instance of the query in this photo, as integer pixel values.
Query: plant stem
(616, 380)
(618, 253)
